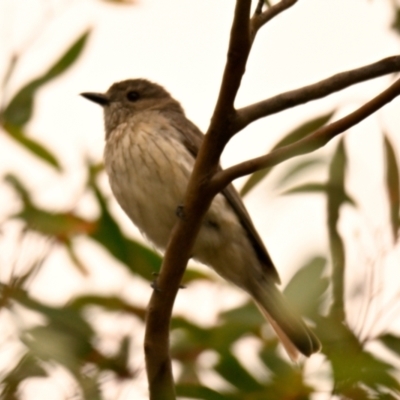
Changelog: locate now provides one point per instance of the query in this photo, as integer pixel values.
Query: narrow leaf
(199, 392)
(320, 188)
(299, 133)
(396, 21)
(31, 145)
(19, 110)
(231, 370)
(307, 188)
(307, 286)
(336, 197)
(392, 342)
(392, 187)
(298, 168)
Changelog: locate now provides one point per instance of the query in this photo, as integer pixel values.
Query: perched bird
(149, 155)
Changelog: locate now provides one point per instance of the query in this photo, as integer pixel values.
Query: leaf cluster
(66, 338)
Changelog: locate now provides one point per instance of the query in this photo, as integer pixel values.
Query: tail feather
(294, 334)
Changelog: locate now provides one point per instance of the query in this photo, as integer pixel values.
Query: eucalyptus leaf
(392, 186)
(20, 108)
(293, 136)
(31, 145)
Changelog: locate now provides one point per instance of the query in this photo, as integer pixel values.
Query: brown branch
(238, 52)
(203, 185)
(197, 201)
(307, 145)
(335, 83)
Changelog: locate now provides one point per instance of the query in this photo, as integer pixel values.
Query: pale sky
(181, 44)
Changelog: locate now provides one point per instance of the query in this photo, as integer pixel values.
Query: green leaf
(109, 303)
(319, 188)
(19, 110)
(297, 134)
(27, 367)
(392, 342)
(396, 21)
(199, 392)
(337, 196)
(232, 371)
(31, 145)
(307, 286)
(392, 187)
(298, 168)
(307, 188)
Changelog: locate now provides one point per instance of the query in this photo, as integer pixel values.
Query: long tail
(294, 334)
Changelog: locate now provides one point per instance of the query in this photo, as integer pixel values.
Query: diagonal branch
(335, 83)
(307, 145)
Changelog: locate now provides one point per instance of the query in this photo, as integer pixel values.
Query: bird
(149, 154)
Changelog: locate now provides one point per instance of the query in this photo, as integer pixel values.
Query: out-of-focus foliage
(66, 337)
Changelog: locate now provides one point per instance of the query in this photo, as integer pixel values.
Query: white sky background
(181, 44)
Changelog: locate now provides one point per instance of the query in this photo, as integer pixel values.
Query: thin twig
(259, 7)
(335, 83)
(312, 142)
(261, 18)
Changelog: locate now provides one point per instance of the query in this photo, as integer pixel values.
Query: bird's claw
(180, 212)
(154, 285)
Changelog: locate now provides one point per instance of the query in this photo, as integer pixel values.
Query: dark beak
(98, 98)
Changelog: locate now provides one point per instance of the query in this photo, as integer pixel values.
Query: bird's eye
(132, 95)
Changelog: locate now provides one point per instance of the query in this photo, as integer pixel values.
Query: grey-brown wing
(193, 139)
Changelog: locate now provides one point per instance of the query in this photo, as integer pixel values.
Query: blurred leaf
(274, 362)
(90, 386)
(200, 392)
(233, 372)
(336, 197)
(286, 381)
(298, 168)
(75, 258)
(121, 360)
(19, 188)
(9, 70)
(27, 367)
(307, 188)
(299, 133)
(392, 342)
(392, 186)
(319, 188)
(396, 21)
(305, 289)
(195, 275)
(62, 226)
(32, 146)
(247, 315)
(19, 110)
(109, 303)
(67, 339)
(54, 343)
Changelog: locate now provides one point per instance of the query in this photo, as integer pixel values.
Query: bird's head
(127, 98)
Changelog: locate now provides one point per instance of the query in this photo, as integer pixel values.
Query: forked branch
(309, 144)
(205, 181)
